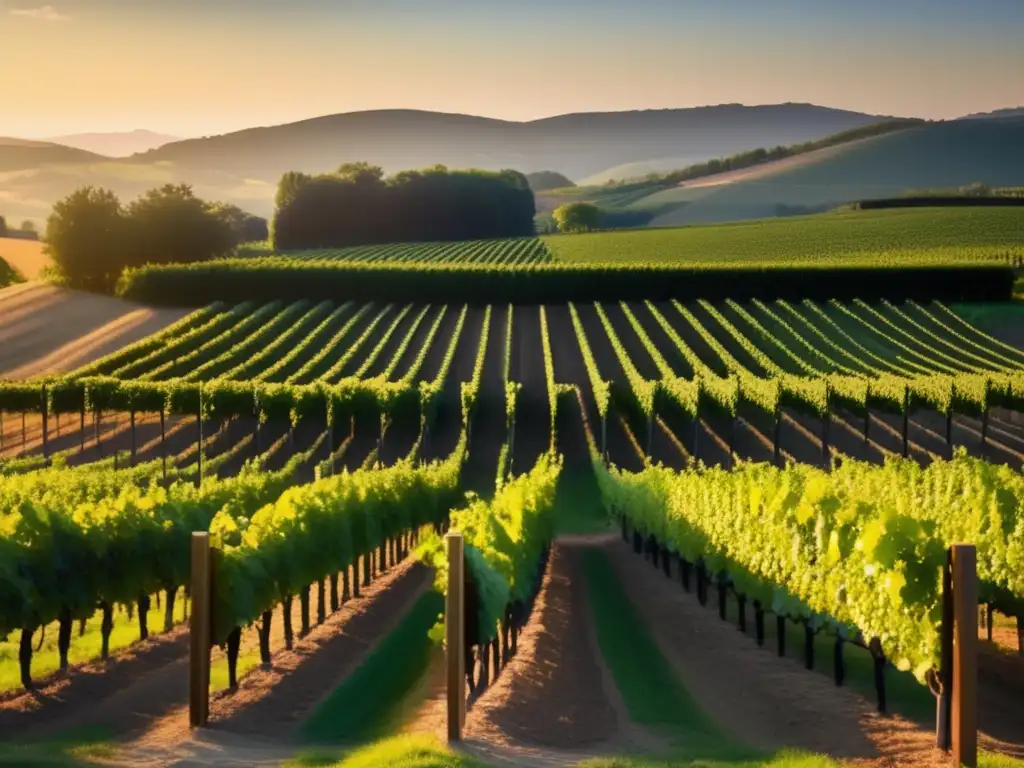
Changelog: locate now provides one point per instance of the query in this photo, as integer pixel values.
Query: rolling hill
(23, 154)
(243, 167)
(937, 155)
(576, 145)
(117, 144)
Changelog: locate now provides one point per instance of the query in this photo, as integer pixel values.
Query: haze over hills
(575, 145)
(21, 154)
(933, 156)
(243, 167)
(117, 144)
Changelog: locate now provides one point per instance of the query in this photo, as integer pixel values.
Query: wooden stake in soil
(945, 677)
(454, 636)
(200, 632)
(965, 656)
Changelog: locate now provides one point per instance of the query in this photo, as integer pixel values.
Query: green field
(912, 236)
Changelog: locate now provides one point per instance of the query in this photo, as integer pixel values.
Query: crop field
(918, 236)
(511, 252)
(328, 444)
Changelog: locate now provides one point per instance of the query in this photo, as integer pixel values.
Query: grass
(578, 505)
(371, 700)
(421, 751)
(84, 648)
(650, 689)
(904, 695)
(247, 662)
(398, 752)
(917, 236)
(71, 748)
(992, 316)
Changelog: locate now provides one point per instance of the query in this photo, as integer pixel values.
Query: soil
(443, 435)
(556, 694)
(143, 691)
(50, 330)
(772, 703)
(487, 434)
(533, 413)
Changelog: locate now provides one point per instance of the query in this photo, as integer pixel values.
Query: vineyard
(325, 445)
(908, 237)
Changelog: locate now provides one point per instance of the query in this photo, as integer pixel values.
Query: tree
(171, 224)
(245, 227)
(361, 173)
(3, 227)
(91, 237)
(356, 205)
(28, 226)
(86, 238)
(577, 217)
(541, 181)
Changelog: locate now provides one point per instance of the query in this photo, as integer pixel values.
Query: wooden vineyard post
(200, 632)
(965, 656)
(454, 628)
(945, 679)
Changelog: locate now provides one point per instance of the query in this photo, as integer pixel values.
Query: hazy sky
(194, 67)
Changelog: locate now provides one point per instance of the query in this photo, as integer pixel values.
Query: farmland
(920, 236)
(26, 257)
(327, 442)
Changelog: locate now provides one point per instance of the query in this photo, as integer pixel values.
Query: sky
(202, 67)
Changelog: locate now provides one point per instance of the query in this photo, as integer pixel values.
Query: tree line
(27, 230)
(761, 155)
(357, 205)
(91, 236)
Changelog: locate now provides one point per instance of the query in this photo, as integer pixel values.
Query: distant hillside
(938, 155)
(21, 154)
(116, 144)
(578, 144)
(544, 180)
(996, 114)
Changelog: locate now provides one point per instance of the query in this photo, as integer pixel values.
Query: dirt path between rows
(142, 697)
(763, 701)
(556, 702)
(277, 700)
